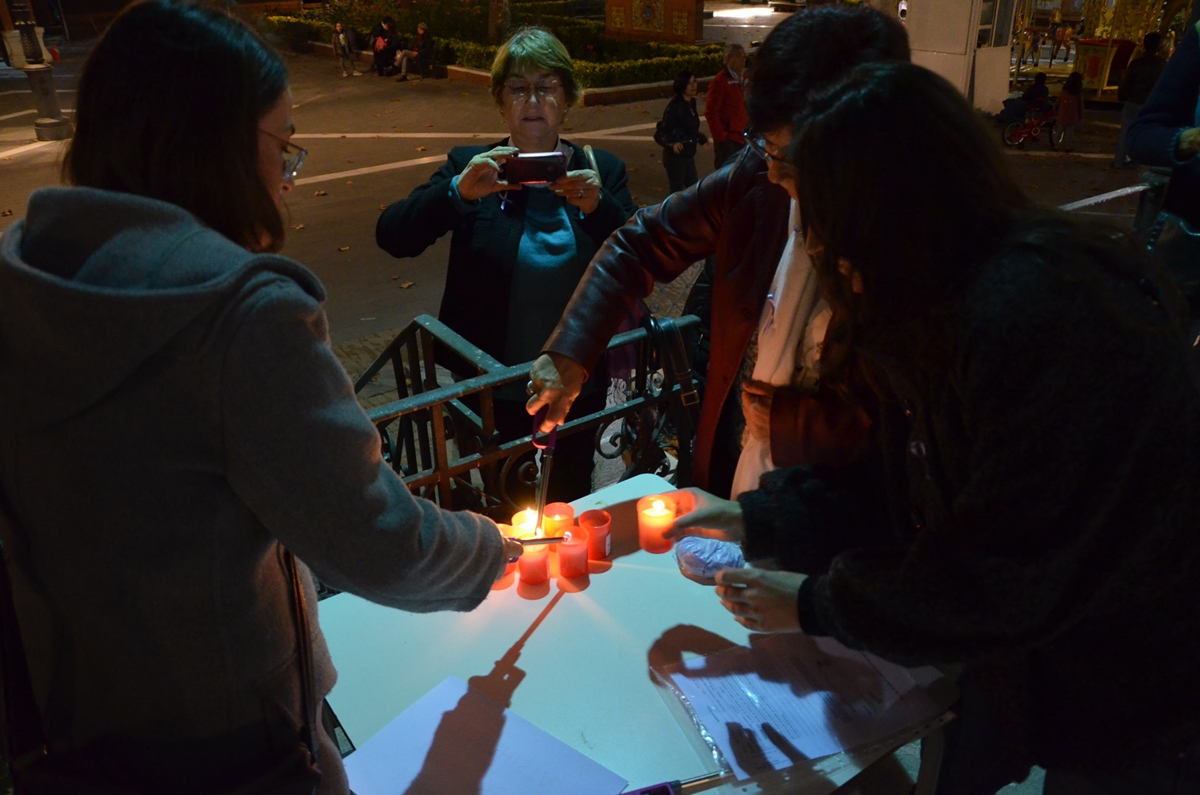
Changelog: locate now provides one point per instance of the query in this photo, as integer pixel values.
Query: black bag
(34, 771)
(660, 134)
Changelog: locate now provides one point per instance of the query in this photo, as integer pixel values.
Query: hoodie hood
(93, 283)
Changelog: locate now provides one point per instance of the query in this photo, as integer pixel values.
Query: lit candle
(597, 525)
(656, 514)
(573, 553)
(525, 523)
(534, 563)
(559, 518)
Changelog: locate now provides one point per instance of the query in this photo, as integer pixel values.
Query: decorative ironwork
(437, 436)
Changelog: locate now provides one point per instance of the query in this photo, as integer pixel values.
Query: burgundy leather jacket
(741, 217)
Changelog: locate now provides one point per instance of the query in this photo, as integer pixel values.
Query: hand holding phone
(481, 176)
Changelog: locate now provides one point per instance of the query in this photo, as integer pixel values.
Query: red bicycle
(1036, 120)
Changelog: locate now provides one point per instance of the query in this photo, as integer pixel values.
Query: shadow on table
(464, 744)
(778, 658)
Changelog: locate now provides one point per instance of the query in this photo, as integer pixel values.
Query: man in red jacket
(725, 106)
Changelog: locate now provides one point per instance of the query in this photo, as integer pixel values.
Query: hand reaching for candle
(512, 551)
(554, 381)
(761, 600)
(707, 516)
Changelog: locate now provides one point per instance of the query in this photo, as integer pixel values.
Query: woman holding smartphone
(518, 250)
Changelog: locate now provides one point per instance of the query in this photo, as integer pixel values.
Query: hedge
(600, 66)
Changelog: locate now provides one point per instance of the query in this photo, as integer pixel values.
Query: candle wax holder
(573, 554)
(597, 524)
(534, 565)
(656, 514)
(557, 518)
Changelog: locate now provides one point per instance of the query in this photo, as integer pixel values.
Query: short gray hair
(732, 48)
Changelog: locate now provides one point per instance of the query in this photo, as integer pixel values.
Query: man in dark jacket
(420, 53)
(740, 214)
(1135, 89)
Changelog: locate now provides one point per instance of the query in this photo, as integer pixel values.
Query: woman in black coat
(1032, 512)
(680, 133)
(518, 251)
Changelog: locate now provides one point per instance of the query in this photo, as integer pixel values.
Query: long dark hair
(909, 203)
(916, 207)
(169, 105)
(681, 82)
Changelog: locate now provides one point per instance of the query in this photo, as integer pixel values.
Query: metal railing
(436, 434)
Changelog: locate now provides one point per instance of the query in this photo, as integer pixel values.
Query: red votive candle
(656, 514)
(558, 518)
(597, 525)
(573, 553)
(534, 565)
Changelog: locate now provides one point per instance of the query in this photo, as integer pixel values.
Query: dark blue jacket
(486, 240)
(1169, 111)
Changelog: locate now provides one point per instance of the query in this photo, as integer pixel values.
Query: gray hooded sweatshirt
(170, 414)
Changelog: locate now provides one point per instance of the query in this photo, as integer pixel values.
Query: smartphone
(534, 168)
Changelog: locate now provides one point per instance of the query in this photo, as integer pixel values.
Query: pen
(530, 542)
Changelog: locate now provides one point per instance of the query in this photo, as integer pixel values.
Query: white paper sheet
(790, 698)
(456, 741)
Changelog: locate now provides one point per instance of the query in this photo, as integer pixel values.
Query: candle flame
(567, 536)
(658, 505)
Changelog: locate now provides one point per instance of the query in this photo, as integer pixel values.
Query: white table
(538, 648)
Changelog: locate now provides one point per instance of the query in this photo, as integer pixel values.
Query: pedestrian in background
(1167, 133)
(1136, 84)
(680, 133)
(725, 106)
(345, 48)
(419, 54)
(385, 44)
(1068, 112)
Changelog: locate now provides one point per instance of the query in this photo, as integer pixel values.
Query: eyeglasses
(293, 156)
(545, 89)
(759, 144)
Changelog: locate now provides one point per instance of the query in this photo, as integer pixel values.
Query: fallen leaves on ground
(298, 227)
(321, 193)
(404, 285)
(383, 206)
(421, 148)
(6, 213)
(632, 169)
(394, 278)
(343, 248)
(428, 125)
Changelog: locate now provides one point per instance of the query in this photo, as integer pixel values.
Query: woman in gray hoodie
(172, 418)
